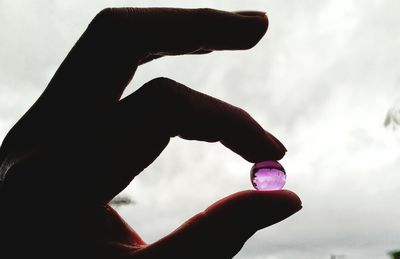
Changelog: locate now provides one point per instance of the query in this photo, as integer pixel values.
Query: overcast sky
(322, 80)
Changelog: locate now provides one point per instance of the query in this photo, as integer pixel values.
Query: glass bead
(268, 176)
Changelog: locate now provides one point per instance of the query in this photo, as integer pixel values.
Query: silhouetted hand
(80, 144)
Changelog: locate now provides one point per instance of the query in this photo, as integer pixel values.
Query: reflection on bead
(268, 176)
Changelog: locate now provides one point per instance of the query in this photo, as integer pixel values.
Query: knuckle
(171, 97)
(116, 27)
(104, 16)
(161, 81)
(164, 88)
(173, 103)
(105, 12)
(108, 21)
(242, 112)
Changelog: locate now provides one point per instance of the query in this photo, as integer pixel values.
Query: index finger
(105, 58)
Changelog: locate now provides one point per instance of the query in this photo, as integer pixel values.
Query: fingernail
(279, 144)
(252, 13)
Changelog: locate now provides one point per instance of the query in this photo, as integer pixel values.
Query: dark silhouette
(395, 254)
(81, 144)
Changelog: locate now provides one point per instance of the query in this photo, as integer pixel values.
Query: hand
(80, 144)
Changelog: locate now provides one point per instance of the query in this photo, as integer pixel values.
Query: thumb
(223, 228)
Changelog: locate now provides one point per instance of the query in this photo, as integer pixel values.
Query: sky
(322, 80)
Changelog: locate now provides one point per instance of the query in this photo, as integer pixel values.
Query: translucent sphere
(268, 176)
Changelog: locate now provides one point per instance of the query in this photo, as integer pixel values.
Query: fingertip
(265, 208)
(272, 149)
(278, 144)
(239, 30)
(258, 146)
(257, 27)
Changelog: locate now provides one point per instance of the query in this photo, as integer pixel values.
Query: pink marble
(268, 176)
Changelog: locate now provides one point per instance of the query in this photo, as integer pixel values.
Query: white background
(321, 80)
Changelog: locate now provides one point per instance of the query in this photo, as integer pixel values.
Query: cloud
(322, 80)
